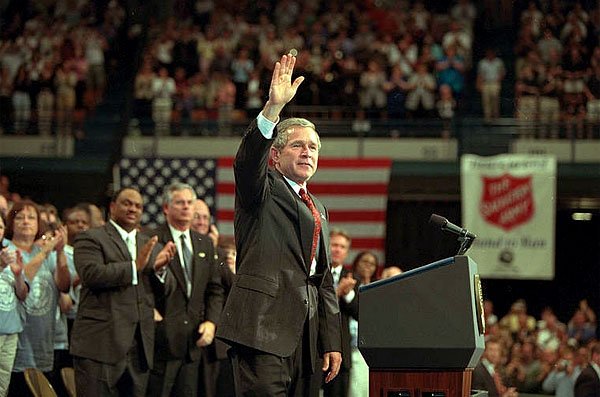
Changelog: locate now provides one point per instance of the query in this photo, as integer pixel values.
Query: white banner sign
(509, 201)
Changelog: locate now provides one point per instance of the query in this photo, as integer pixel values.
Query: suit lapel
(307, 228)
(198, 259)
(116, 237)
(299, 214)
(175, 264)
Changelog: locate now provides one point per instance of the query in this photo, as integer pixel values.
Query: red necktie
(317, 218)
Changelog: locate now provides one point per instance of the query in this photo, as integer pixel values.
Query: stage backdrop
(509, 201)
(353, 190)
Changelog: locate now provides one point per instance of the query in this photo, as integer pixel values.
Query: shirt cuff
(134, 278)
(161, 274)
(349, 296)
(266, 126)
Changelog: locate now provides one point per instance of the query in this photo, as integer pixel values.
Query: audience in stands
(53, 60)
(556, 55)
(582, 326)
(355, 54)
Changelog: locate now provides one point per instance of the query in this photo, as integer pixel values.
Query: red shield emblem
(506, 201)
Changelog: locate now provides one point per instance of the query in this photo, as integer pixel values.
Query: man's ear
(274, 158)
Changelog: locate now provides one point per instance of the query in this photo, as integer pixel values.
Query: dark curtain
(413, 242)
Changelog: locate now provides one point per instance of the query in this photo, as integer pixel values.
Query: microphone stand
(466, 239)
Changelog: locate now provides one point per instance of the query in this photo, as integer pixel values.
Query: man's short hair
(337, 231)
(176, 187)
(118, 192)
(284, 130)
(80, 207)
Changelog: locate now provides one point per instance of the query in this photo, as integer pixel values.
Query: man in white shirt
(190, 311)
(112, 340)
(490, 73)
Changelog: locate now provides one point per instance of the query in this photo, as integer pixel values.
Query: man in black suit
(190, 311)
(588, 382)
(487, 374)
(112, 341)
(282, 312)
(344, 283)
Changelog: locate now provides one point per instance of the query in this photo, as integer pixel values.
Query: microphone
(448, 226)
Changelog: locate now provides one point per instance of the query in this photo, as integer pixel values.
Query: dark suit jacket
(347, 310)
(587, 383)
(110, 307)
(227, 279)
(273, 295)
(178, 332)
(483, 380)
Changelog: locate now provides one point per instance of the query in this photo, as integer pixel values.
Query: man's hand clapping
(165, 255)
(345, 285)
(213, 234)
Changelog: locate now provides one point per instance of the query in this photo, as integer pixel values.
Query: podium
(422, 331)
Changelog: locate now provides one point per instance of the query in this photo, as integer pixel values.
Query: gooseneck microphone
(464, 236)
(448, 226)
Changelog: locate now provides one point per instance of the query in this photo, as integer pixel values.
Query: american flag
(355, 192)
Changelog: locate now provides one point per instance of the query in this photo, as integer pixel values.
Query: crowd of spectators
(52, 65)
(388, 60)
(209, 60)
(537, 356)
(558, 69)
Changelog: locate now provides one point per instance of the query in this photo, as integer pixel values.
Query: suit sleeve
(251, 166)
(585, 386)
(330, 335)
(94, 269)
(215, 292)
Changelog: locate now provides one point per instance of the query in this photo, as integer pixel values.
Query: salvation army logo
(507, 201)
(39, 300)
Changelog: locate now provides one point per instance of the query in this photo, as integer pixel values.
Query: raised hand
(213, 234)
(282, 89)
(61, 237)
(345, 285)
(165, 255)
(47, 243)
(7, 257)
(143, 255)
(17, 265)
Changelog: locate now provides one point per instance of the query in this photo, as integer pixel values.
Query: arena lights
(581, 216)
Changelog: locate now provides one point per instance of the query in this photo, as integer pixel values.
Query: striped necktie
(316, 217)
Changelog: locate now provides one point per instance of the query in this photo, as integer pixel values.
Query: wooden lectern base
(398, 383)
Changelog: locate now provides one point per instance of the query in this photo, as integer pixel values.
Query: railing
(569, 142)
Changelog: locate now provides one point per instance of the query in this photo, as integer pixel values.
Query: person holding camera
(561, 380)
